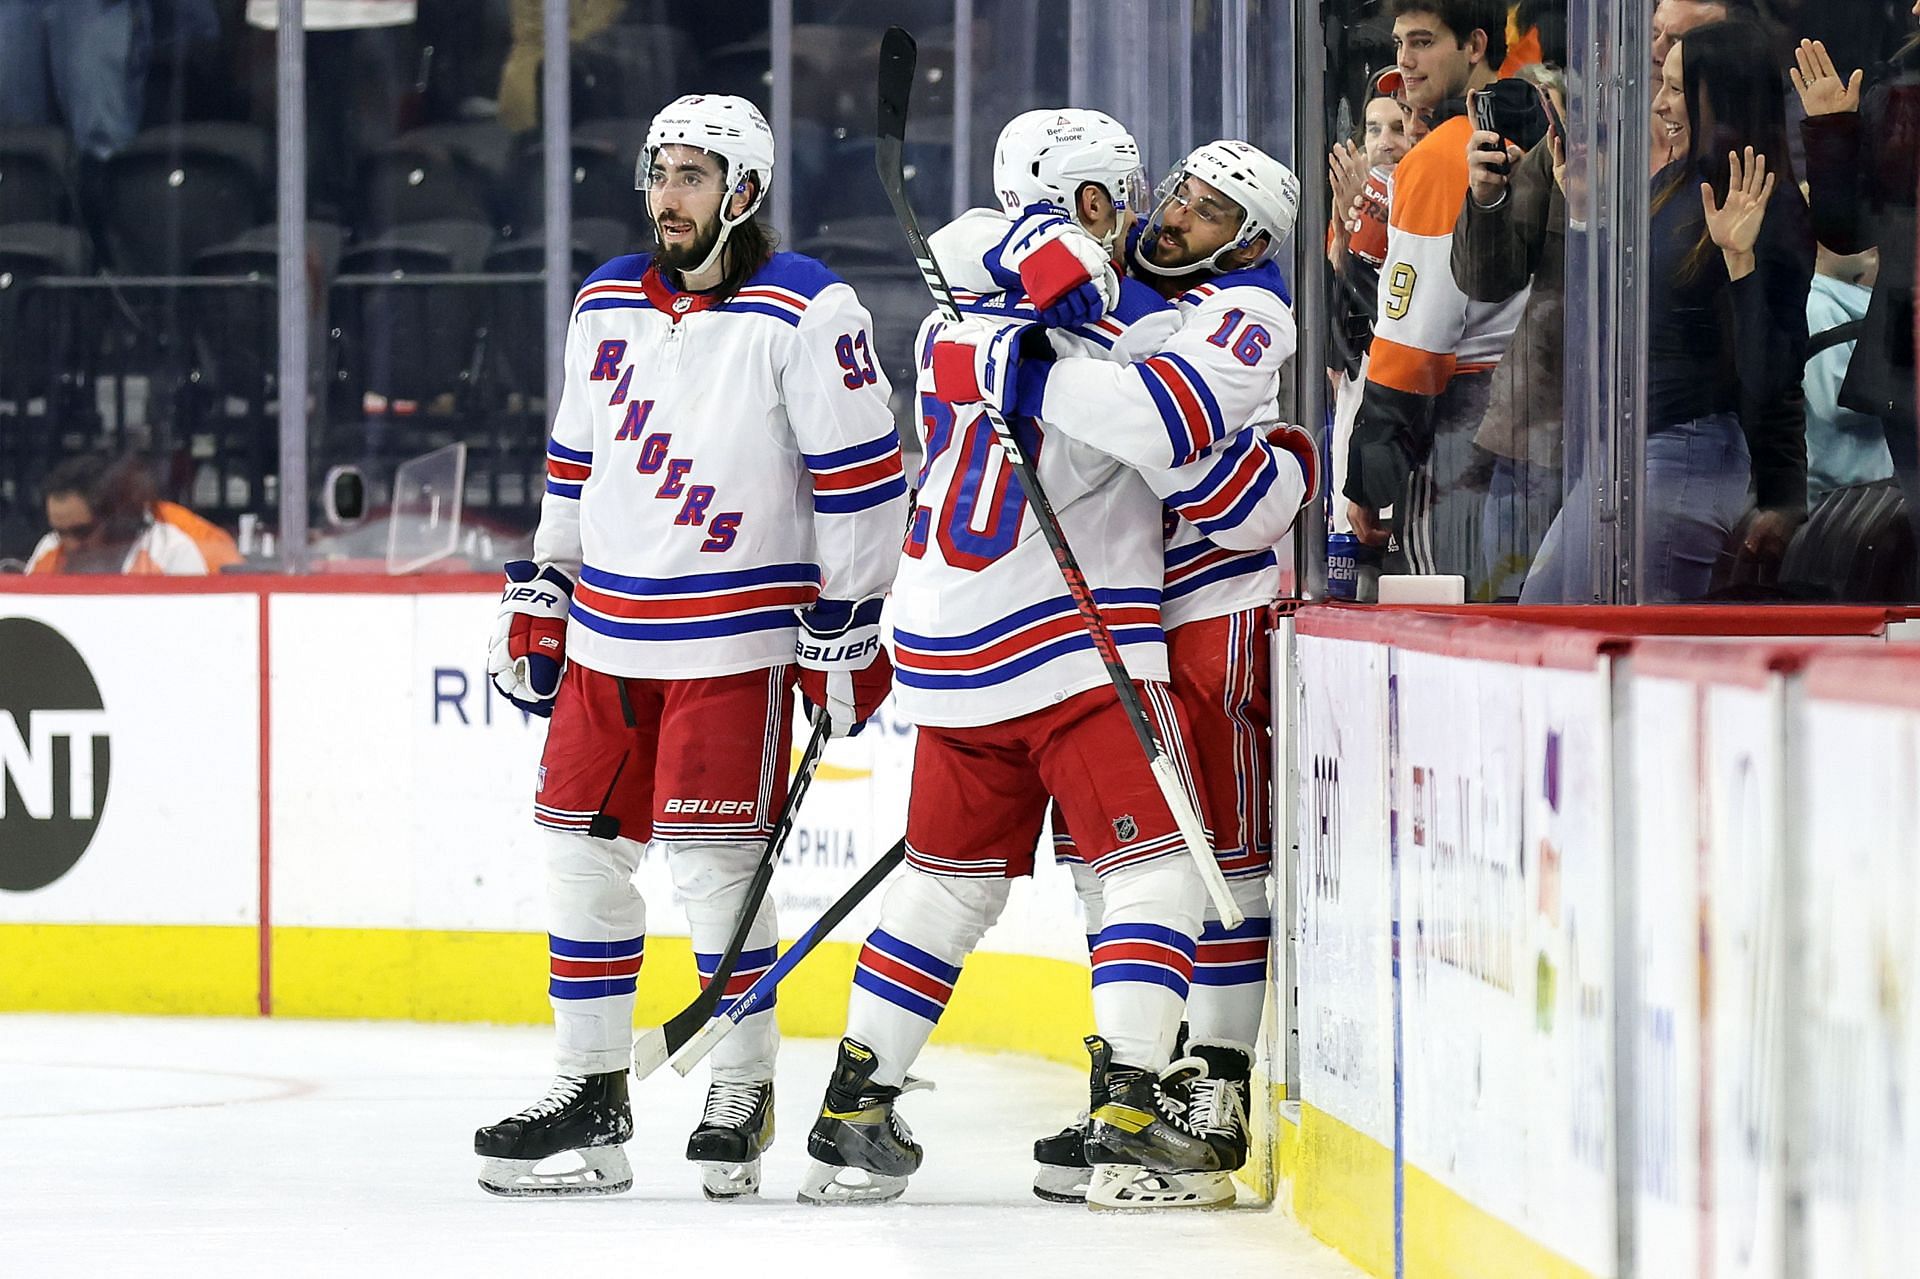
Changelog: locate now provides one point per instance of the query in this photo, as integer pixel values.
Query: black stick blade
(898, 57)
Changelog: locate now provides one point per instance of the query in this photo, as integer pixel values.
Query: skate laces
(565, 1091)
(730, 1105)
(1218, 1105)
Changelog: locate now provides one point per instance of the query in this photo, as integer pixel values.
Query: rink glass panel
(137, 265)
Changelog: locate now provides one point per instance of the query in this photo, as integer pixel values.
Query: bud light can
(1343, 567)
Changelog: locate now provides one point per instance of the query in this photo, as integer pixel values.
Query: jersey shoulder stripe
(768, 299)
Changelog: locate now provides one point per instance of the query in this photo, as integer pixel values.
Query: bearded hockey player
(1208, 246)
(987, 692)
(723, 511)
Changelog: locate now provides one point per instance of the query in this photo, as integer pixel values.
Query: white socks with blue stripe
(712, 879)
(928, 926)
(1230, 970)
(1143, 961)
(596, 931)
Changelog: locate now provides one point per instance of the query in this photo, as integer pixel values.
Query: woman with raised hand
(1731, 262)
(1862, 135)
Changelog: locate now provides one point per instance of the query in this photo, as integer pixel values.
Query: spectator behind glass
(1356, 245)
(1730, 266)
(360, 68)
(105, 518)
(1433, 348)
(520, 77)
(1671, 20)
(82, 63)
(1861, 174)
(1512, 234)
(1844, 447)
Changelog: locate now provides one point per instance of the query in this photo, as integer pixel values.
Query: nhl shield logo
(681, 303)
(1124, 828)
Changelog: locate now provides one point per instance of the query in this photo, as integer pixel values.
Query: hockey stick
(658, 1043)
(897, 57)
(696, 1049)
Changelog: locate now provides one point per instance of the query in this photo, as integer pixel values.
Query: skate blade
(601, 1170)
(826, 1184)
(1129, 1187)
(721, 1180)
(1061, 1185)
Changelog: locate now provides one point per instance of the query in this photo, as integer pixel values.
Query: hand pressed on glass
(1735, 223)
(1822, 91)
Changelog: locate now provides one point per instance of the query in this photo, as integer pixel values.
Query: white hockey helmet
(1265, 188)
(728, 127)
(1043, 157)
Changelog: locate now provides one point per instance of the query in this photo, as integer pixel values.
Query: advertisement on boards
(1467, 977)
(1567, 855)
(129, 763)
(1345, 959)
(1746, 953)
(1860, 916)
(404, 797)
(1664, 753)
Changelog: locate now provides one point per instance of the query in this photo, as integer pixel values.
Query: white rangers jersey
(1221, 371)
(1218, 377)
(983, 627)
(714, 467)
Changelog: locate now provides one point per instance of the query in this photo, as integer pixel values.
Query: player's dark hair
(748, 247)
(1463, 18)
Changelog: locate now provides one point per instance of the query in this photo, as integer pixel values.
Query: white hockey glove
(843, 667)
(1062, 270)
(530, 636)
(980, 361)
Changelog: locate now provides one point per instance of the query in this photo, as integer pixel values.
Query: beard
(1169, 257)
(687, 256)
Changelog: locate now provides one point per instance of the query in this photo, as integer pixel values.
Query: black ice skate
(735, 1127)
(862, 1151)
(1145, 1149)
(1064, 1171)
(582, 1116)
(1219, 1099)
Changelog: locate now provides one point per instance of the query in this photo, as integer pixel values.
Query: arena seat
(175, 192)
(35, 179)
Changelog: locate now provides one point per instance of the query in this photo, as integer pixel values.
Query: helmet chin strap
(1210, 264)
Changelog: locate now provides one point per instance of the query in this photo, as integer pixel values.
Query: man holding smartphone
(1510, 240)
(1433, 347)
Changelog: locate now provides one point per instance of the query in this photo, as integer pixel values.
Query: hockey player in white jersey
(724, 501)
(1208, 246)
(1022, 694)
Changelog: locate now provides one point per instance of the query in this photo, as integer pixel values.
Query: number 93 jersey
(983, 627)
(716, 464)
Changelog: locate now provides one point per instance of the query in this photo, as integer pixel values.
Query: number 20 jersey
(984, 629)
(715, 466)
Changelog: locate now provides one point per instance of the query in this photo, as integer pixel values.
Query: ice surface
(155, 1146)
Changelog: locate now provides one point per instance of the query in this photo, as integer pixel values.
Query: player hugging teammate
(1138, 361)
(1146, 400)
